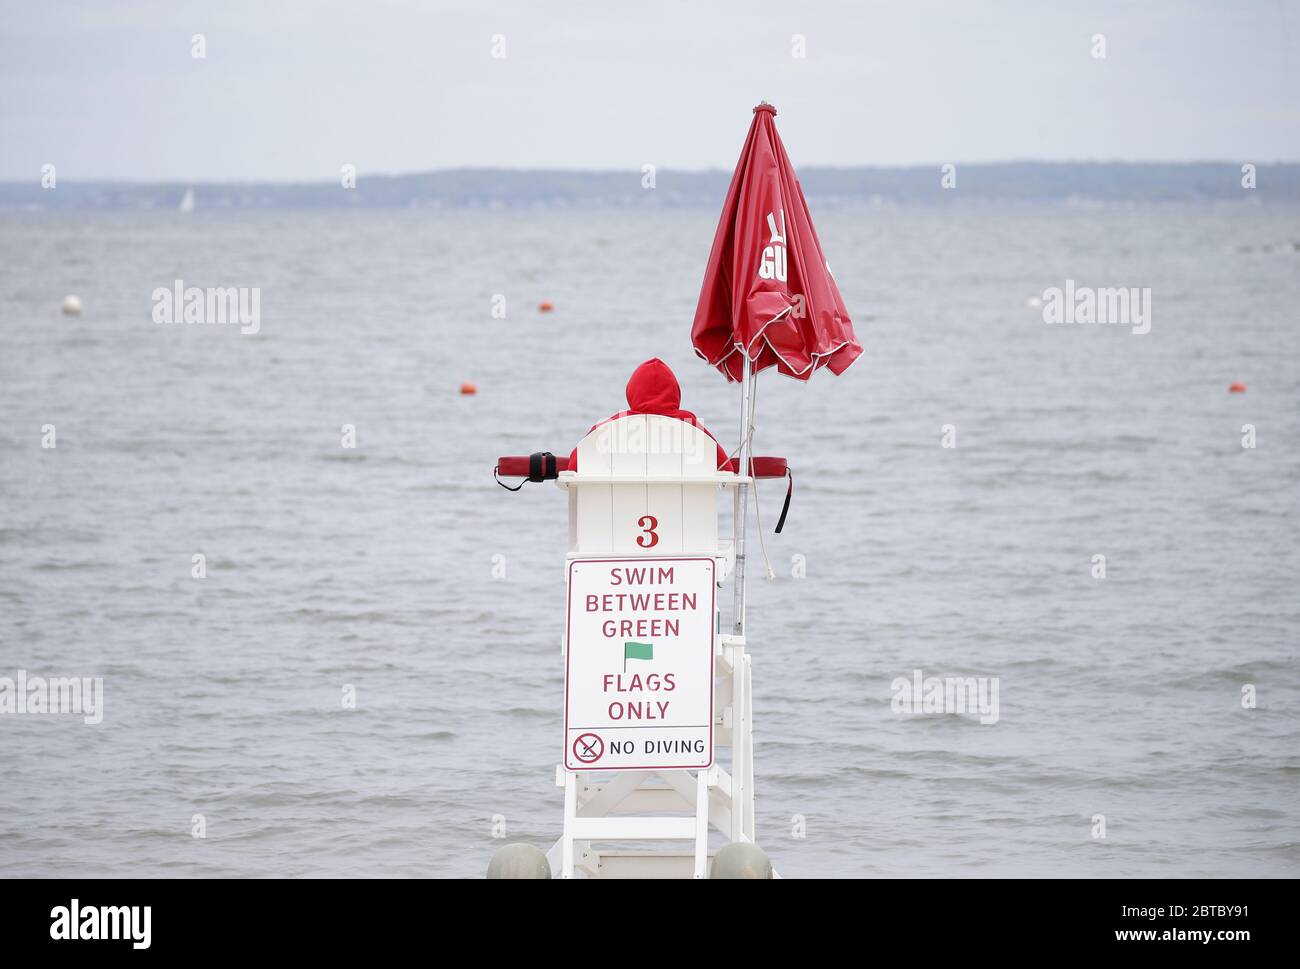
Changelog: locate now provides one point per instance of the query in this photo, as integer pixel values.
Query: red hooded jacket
(653, 389)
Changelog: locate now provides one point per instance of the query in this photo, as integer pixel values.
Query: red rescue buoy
(468, 388)
(1236, 387)
(545, 306)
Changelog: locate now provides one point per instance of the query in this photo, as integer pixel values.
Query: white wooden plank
(665, 441)
(632, 530)
(630, 456)
(699, 452)
(596, 452)
(633, 828)
(595, 509)
(700, 518)
(665, 438)
(664, 504)
(572, 495)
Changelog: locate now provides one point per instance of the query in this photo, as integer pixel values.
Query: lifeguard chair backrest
(646, 485)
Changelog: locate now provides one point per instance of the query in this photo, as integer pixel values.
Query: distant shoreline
(1015, 182)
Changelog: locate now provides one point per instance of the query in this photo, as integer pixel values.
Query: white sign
(638, 673)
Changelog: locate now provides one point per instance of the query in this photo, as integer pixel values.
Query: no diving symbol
(588, 748)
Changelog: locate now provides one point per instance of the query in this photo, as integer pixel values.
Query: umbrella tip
(765, 106)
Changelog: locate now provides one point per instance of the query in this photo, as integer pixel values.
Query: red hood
(654, 390)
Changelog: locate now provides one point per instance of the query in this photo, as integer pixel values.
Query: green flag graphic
(637, 651)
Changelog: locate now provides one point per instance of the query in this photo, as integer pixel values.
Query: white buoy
(519, 861)
(71, 306)
(741, 860)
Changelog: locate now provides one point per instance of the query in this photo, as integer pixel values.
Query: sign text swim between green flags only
(639, 658)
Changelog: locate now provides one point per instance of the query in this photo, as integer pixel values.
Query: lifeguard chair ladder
(628, 468)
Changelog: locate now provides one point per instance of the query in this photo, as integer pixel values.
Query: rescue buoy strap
(502, 483)
(541, 466)
(785, 508)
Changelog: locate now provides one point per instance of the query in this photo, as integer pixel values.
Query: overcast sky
(293, 89)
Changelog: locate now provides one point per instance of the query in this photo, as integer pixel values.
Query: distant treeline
(1022, 182)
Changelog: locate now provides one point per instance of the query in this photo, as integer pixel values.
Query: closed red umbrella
(768, 294)
(768, 299)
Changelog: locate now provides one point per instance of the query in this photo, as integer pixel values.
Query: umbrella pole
(741, 509)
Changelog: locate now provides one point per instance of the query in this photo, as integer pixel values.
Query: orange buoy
(468, 388)
(545, 306)
(1236, 387)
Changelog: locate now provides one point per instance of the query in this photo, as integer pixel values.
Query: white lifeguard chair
(647, 488)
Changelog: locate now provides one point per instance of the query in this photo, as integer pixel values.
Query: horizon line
(457, 169)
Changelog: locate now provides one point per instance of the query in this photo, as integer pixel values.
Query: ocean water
(373, 568)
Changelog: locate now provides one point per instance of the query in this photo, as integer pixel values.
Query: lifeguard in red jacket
(653, 389)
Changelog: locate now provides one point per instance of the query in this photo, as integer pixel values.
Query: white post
(741, 506)
(570, 816)
(749, 754)
(739, 745)
(701, 868)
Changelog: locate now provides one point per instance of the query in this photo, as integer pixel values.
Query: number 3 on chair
(651, 538)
